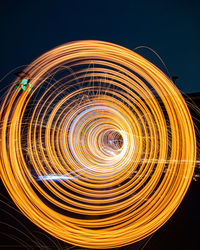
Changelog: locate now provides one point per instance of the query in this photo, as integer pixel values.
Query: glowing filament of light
(109, 193)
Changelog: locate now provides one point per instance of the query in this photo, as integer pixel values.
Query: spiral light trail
(103, 150)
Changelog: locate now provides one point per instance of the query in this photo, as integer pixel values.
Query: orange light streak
(118, 192)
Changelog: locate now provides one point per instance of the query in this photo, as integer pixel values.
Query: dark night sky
(30, 28)
(171, 28)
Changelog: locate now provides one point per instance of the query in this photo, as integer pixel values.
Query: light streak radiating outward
(115, 137)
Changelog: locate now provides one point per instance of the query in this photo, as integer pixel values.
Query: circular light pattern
(102, 151)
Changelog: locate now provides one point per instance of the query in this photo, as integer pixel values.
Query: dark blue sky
(171, 28)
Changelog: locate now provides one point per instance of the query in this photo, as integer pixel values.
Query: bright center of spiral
(112, 142)
(99, 138)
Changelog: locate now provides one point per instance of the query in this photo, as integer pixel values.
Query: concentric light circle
(102, 151)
